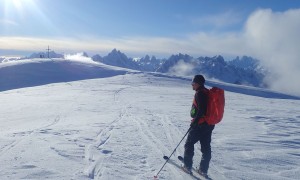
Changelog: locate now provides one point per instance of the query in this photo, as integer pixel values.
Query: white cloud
(274, 38)
(78, 57)
(182, 68)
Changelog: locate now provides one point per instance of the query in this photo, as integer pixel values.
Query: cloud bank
(182, 68)
(79, 57)
(274, 38)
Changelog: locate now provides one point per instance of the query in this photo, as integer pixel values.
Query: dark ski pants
(203, 134)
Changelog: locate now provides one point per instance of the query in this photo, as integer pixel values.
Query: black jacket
(199, 104)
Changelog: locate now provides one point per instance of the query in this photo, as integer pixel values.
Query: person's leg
(205, 141)
(192, 138)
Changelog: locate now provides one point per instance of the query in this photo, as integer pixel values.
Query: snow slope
(33, 72)
(118, 124)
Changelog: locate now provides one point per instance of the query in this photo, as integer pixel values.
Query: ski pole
(172, 152)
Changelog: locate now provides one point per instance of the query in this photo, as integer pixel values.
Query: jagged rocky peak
(177, 57)
(84, 54)
(244, 62)
(116, 54)
(97, 58)
(215, 60)
(148, 59)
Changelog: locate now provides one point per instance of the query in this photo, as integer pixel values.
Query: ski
(180, 158)
(172, 162)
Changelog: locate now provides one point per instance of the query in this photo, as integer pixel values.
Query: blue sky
(136, 27)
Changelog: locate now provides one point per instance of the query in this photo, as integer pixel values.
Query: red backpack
(215, 106)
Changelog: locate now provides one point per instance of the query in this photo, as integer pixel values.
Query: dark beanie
(199, 79)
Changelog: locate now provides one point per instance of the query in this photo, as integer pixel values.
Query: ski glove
(194, 123)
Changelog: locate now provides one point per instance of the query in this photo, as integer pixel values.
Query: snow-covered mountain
(245, 62)
(215, 68)
(72, 119)
(245, 70)
(117, 58)
(174, 60)
(97, 58)
(148, 63)
(242, 71)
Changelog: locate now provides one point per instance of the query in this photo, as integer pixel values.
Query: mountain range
(243, 70)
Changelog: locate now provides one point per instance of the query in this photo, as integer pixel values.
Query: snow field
(120, 127)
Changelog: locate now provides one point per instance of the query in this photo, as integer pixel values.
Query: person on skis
(200, 130)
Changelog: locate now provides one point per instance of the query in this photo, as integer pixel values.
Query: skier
(200, 130)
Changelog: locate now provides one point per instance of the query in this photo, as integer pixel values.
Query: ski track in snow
(23, 135)
(132, 122)
(120, 128)
(95, 168)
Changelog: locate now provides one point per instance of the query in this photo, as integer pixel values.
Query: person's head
(198, 81)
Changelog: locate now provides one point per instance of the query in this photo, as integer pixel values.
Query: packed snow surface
(64, 119)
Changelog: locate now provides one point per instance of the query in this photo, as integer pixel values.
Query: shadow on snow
(40, 73)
